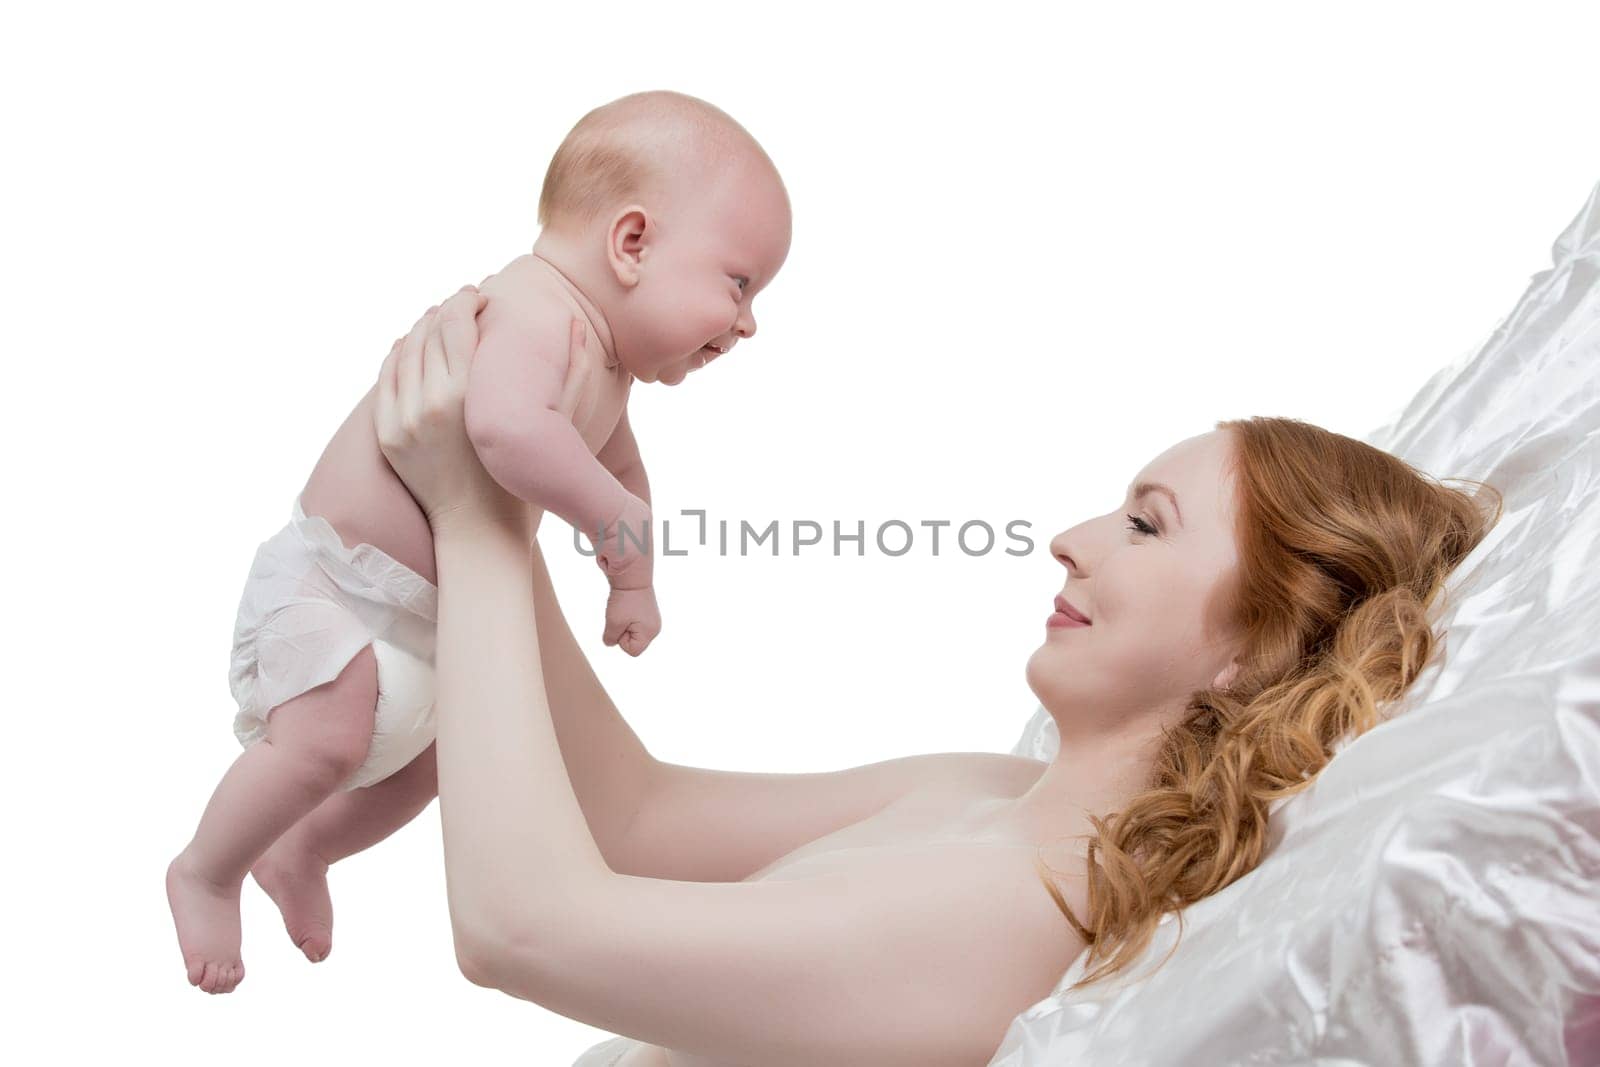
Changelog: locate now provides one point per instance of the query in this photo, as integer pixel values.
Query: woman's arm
(515, 836)
(612, 772)
(614, 776)
(921, 959)
(516, 840)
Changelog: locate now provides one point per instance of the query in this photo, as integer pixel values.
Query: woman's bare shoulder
(979, 775)
(704, 824)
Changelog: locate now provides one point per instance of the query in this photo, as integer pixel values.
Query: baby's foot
(207, 917)
(296, 879)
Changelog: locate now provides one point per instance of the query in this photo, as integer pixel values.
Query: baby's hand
(632, 619)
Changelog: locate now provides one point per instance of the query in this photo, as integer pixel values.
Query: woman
(1259, 593)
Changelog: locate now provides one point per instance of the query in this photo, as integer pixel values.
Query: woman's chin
(1044, 673)
(1061, 677)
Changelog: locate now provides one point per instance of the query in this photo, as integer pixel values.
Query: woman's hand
(422, 388)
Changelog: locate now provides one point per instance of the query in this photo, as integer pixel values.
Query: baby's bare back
(355, 489)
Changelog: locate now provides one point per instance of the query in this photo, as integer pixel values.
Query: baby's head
(678, 219)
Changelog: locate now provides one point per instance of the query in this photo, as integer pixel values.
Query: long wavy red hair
(1342, 550)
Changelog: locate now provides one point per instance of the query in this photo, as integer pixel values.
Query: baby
(661, 219)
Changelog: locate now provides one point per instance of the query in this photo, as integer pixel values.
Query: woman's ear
(1226, 676)
(626, 239)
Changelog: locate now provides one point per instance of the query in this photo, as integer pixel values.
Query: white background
(1034, 246)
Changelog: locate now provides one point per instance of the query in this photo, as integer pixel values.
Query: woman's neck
(1091, 775)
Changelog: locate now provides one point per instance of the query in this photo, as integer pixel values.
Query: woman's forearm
(612, 772)
(517, 848)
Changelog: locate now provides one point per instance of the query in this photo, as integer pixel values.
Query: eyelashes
(1138, 525)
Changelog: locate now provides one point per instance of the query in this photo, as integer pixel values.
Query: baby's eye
(743, 282)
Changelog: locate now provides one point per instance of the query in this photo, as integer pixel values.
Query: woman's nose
(1067, 555)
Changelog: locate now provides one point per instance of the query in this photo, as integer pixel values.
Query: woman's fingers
(458, 318)
(577, 368)
(416, 378)
(408, 374)
(384, 416)
(434, 380)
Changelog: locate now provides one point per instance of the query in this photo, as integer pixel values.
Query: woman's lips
(1065, 615)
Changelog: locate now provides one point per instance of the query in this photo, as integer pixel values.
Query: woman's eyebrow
(1166, 490)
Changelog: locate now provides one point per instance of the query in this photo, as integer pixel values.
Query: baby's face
(715, 248)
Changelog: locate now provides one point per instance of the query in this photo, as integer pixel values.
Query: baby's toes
(317, 944)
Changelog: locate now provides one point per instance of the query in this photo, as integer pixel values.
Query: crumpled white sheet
(1434, 897)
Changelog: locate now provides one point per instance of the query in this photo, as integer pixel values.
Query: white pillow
(1434, 897)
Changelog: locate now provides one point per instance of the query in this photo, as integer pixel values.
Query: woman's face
(1150, 576)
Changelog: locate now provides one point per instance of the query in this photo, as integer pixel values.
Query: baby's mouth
(718, 349)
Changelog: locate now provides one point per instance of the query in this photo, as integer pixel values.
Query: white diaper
(309, 605)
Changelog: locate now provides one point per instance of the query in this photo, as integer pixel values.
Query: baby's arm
(632, 617)
(515, 423)
(620, 456)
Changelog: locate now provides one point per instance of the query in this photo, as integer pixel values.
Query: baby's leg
(294, 872)
(313, 743)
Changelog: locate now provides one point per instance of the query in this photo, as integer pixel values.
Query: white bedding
(1434, 898)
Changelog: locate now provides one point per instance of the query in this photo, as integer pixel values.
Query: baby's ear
(630, 232)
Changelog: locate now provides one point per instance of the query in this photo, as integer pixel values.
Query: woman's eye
(1138, 525)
